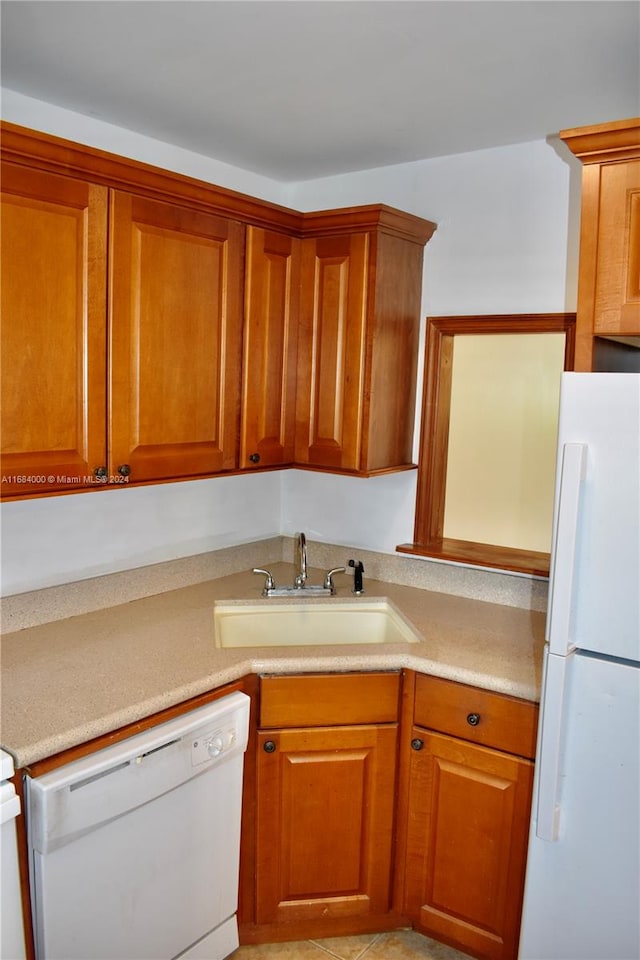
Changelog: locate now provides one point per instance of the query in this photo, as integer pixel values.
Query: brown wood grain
(272, 290)
(391, 359)
(467, 842)
(182, 399)
(357, 362)
(322, 699)
(332, 329)
(175, 323)
(324, 823)
(53, 331)
(506, 723)
(609, 264)
(617, 302)
(37, 150)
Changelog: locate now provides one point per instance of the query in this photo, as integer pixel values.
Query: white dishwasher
(12, 945)
(134, 850)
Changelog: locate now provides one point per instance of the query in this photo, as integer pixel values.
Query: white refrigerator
(582, 891)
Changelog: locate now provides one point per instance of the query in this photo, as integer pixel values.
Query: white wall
(501, 246)
(62, 539)
(506, 242)
(373, 514)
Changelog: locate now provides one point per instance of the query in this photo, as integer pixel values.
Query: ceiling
(298, 89)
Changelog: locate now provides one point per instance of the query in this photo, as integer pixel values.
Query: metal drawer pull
(473, 719)
(269, 746)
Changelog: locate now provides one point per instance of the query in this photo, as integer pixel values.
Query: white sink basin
(273, 623)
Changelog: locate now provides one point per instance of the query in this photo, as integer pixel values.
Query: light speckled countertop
(66, 682)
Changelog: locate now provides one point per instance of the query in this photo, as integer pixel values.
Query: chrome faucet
(300, 586)
(301, 551)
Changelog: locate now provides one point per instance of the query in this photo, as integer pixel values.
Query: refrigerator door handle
(564, 548)
(550, 747)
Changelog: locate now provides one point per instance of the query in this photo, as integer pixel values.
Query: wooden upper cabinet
(272, 289)
(358, 339)
(617, 307)
(609, 274)
(53, 331)
(176, 336)
(331, 351)
(392, 352)
(157, 327)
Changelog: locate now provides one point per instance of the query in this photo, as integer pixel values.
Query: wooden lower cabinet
(365, 818)
(468, 808)
(324, 825)
(324, 811)
(467, 844)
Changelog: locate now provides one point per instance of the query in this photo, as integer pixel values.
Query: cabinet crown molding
(619, 140)
(374, 216)
(32, 148)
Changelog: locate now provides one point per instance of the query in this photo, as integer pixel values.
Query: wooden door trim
(429, 539)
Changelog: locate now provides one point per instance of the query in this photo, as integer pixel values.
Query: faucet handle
(328, 580)
(269, 582)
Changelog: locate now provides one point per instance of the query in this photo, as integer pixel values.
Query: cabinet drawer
(491, 719)
(329, 699)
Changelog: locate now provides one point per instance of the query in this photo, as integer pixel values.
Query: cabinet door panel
(393, 337)
(176, 330)
(53, 330)
(331, 351)
(466, 844)
(617, 302)
(270, 342)
(325, 813)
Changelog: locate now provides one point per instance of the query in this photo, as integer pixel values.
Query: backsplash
(475, 583)
(84, 596)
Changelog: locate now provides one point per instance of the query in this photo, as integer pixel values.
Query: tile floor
(398, 945)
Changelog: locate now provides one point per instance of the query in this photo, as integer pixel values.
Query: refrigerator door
(582, 891)
(599, 414)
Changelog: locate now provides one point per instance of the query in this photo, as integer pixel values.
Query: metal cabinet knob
(473, 719)
(100, 473)
(269, 746)
(124, 469)
(254, 457)
(417, 744)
